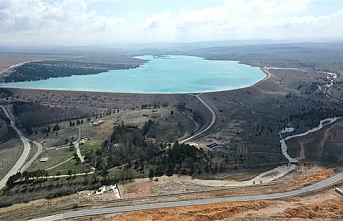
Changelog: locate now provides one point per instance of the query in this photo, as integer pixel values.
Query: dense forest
(42, 70)
(128, 147)
(33, 114)
(126, 144)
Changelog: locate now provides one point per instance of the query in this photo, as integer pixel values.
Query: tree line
(26, 176)
(42, 70)
(33, 114)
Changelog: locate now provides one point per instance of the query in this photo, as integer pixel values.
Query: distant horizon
(168, 45)
(119, 22)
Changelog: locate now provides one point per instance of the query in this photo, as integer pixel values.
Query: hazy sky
(83, 22)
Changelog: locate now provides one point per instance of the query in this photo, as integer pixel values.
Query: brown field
(9, 59)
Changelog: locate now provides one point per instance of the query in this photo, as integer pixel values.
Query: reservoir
(162, 75)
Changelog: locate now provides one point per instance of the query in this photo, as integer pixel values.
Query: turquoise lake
(169, 74)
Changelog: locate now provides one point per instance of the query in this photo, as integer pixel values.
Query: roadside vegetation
(27, 186)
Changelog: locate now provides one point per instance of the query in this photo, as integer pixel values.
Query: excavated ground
(321, 206)
(326, 204)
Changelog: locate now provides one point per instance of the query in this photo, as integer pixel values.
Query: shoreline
(3, 84)
(266, 72)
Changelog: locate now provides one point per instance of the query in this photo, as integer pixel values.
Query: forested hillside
(42, 70)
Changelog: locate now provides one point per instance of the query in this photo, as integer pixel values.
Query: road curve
(208, 127)
(23, 156)
(39, 151)
(268, 74)
(120, 209)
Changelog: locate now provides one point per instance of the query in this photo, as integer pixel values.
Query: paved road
(208, 127)
(121, 209)
(214, 114)
(23, 156)
(39, 151)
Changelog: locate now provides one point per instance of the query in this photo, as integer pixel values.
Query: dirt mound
(196, 213)
(139, 189)
(328, 209)
(314, 177)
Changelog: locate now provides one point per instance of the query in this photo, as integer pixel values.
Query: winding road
(322, 123)
(23, 156)
(39, 151)
(121, 209)
(213, 120)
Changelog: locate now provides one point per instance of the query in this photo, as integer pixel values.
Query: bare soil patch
(204, 212)
(9, 59)
(326, 205)
(145, 191)
(326, 209)
(314, 177)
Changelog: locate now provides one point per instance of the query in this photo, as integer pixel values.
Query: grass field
(88, 149)
(55, 157)
(75, 167)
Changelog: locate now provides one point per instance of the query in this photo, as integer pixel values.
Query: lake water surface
(170, 74)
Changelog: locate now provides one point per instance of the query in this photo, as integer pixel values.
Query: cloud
(257, 19)
(78, 22)
(61, 21)
(156, 21)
